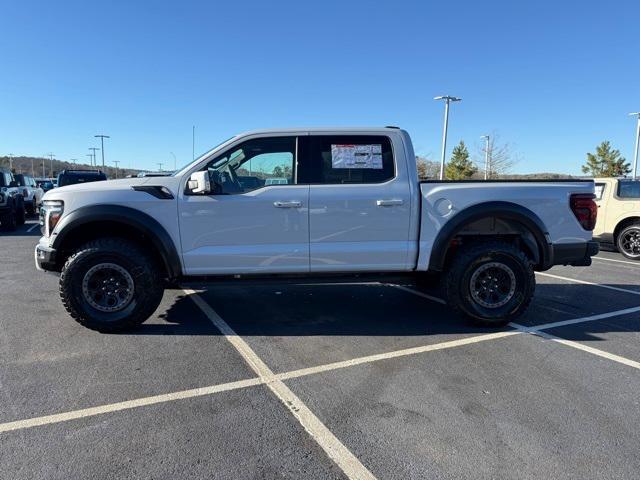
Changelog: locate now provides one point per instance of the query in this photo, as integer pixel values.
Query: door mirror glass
(199, 183)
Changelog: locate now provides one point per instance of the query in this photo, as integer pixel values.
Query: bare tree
(427, 168)
(502, 157)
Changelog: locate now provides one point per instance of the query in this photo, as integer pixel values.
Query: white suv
(30, 191)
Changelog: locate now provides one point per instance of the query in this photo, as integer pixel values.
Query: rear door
(359, 203)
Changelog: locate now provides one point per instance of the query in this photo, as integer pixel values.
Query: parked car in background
(12, 211)
(31, 192)
(618, 224)
(44, 184)
(351, 203)
(72, 177)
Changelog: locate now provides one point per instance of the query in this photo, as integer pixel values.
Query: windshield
(199, 157)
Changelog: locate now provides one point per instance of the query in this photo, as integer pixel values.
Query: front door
(257, 220)
(359, 204)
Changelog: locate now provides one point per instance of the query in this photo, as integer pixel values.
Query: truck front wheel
(491, 283)
(110, 285)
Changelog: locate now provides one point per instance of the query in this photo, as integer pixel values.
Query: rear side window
(629, 189)
(346, 159)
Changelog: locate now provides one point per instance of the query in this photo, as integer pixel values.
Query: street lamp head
(486, 137)
(635, 114)
(447, 98)
(103, 136)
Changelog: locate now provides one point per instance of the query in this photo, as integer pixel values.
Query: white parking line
(601, 316)
(579, 346)
(33, 226)
(333, 447)
(225, 387)
(584, 282)
(635, 264)
(394, 354)
(116, 407)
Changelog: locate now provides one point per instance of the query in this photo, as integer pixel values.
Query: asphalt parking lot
(360, 380)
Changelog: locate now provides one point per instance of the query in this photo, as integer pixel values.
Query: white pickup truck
(310, 202)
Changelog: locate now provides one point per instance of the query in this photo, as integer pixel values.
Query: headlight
(50, 214)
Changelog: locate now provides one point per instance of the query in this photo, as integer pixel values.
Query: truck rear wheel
(491, 283)
(110, 285)
(20, 213)
(628, 241)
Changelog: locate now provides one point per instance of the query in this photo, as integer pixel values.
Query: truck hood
(110, 185)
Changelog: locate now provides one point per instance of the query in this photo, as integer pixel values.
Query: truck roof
(292, 130)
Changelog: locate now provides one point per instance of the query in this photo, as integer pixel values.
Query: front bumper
(575, 254)
(45, 258)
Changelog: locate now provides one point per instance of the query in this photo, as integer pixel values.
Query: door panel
(258, 220)
(359, 219)
(246, 233)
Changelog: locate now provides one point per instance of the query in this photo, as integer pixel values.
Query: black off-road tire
(469, 260)
(634, 231)
(147, 280)
(8, 221)
(20, 213)
(31, 208)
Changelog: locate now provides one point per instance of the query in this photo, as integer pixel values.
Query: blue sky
(553, 78)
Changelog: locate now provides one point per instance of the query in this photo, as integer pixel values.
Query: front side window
(629, 189)
(347, 159)
(599, 189)
(254, 164)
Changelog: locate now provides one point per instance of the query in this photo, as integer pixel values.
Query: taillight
(585, 209)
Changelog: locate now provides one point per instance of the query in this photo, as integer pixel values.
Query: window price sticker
(356, 156)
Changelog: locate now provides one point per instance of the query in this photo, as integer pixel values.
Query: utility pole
(193, 143)
(102, 137)
(90, 159)
(486, 156)
(116, 162)
(11, 162)
(635, 152)
(51, 155)
(44, 175)
(33, 172)
(160, 165)
(93, 149)
(73, 160)
(447, 100)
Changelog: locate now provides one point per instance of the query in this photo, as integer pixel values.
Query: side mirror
(199, 183)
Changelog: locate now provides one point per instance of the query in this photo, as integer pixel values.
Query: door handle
(289, 204)
(389, 203)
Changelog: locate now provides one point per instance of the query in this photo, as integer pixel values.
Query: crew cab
(12, 212)
(336, 202)
(618, 223)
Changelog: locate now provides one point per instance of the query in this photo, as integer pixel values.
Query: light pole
(90, 159)
(73, 160)
(116, 162)
(44, 175)
(486, 156)
(160, 165)
(51, 155)
(93, 149)
(102, 137)
(11, 162)
(635, 152)
(447, 100)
